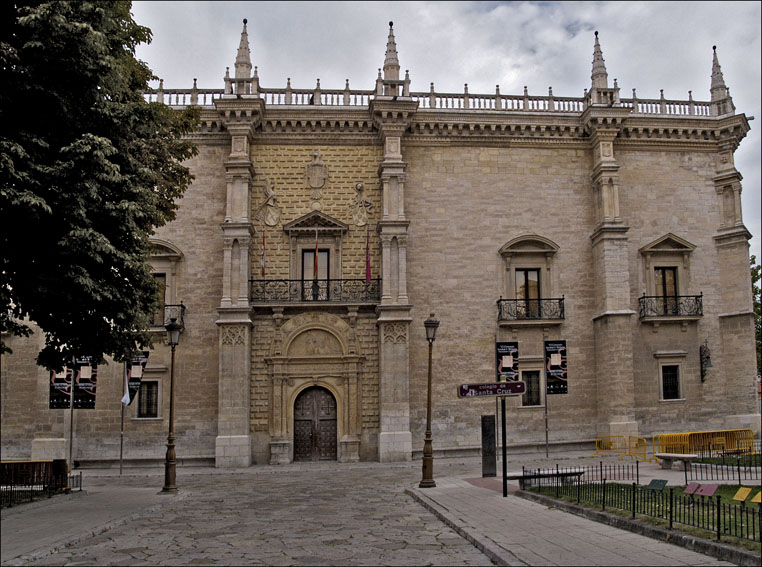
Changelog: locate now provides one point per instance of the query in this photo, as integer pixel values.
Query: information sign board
(555, 367)
(507, 361)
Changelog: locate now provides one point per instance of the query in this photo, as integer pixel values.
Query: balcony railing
(335, 291)
(530, 309)
(671, 306)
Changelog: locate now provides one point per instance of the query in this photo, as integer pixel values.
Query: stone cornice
(361, 125)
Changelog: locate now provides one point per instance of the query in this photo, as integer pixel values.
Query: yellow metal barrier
(610, 445)
(720, 441)
(637, 448)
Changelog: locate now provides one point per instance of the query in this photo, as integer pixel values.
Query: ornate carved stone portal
(313, 350)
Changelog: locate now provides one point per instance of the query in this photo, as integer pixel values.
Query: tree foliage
(757, 297)
(88, 168)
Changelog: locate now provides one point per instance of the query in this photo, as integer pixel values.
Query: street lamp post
(174, 324)
(427, 480)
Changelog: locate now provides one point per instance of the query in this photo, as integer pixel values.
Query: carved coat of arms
(316, 175)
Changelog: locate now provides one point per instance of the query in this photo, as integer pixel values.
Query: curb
(494, 552)
(38, 554)
(693, 543)
(41, 503)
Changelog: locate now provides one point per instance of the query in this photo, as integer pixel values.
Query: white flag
(126, 397)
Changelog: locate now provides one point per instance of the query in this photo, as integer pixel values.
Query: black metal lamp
(174, 317)
(427, 477)
(706, 359)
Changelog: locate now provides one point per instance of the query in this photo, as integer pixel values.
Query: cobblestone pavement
(324, 515)
(320, 514)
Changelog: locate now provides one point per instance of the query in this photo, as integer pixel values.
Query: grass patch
(747, 460)
(696, 511)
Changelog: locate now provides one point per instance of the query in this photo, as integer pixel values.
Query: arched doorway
(315, 425)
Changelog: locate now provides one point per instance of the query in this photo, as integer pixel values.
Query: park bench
(564, 475)
(666, 459)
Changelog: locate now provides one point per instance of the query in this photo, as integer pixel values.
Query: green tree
(755, 277)
(88, 168)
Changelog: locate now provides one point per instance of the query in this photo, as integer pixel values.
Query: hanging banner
(555, 367)
(60, 389)
(136, 369)
(507, 361)
(85, 382)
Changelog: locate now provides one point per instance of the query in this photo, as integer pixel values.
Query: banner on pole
(555, 368)
(85, 382)
(507, 361)
(134, 377)
(60, 389)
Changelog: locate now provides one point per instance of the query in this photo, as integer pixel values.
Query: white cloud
(646, 45)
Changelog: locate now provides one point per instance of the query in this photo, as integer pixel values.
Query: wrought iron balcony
(530, 309)
(334, 291)
(671, 306)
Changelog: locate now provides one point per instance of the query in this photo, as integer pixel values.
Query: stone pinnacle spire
(243, 60)
(599, 76)
(391, 63)
(718, 88)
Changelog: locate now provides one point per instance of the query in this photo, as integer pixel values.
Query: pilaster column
(392, 116)
(613, 324)
(241, 116)
(732, 238)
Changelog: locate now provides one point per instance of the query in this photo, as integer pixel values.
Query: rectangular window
(528, 293)
(665, 283)
(148, 399)
(315, 288)
(157, 319)
(532, 396)
(670, 380)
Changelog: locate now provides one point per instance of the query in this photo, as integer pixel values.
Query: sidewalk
(510, 531)
(514, 531)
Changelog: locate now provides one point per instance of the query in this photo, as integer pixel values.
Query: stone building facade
(324, 226)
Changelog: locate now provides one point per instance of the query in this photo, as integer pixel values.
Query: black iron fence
(591, 473)
(23, 481)
(736, 520)
(520, 309)
(739, 467)
(341, 290)
(671, 306)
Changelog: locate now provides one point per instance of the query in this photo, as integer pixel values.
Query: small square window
(670, 381)
(148, 399)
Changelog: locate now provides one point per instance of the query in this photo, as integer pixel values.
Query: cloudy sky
(646, 45)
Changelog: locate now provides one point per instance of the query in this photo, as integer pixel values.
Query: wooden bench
(666, 459)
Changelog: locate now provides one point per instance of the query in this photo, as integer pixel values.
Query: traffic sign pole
(505, 452)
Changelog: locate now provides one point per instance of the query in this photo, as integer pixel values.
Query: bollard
(603, 502)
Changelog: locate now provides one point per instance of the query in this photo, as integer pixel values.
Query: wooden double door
(315, 425)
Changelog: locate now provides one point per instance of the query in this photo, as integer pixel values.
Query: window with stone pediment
(164, 259)
(529, 290)
(666, 266)
(666, 279)
(315, 231)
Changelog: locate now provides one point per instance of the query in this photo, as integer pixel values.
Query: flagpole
(121, 434)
